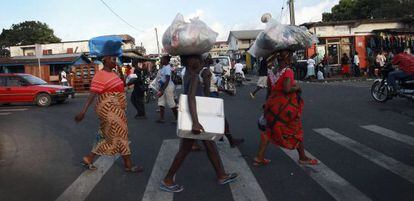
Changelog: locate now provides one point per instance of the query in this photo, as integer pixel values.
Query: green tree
(368, 9)
(26, 33)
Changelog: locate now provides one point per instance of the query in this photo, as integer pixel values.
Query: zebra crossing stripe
(335, 185)
(397, 167)
(5, 113)
(246, 188)
(164, 159)
(86, 182)
(391, 134)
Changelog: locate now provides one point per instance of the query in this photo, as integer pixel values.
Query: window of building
(47, 52)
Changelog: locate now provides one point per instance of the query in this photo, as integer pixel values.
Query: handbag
(210, 113)
(261, 123)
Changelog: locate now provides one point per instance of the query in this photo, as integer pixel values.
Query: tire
(380, 92)
(43, 100)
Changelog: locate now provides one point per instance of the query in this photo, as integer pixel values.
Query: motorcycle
(228, 83)
(239, 79)
(381, 91)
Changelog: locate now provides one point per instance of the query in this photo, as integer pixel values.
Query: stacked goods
(105, 46)
(277, 37)
(183, 38)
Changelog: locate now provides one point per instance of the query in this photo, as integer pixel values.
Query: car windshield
(223, 61)
(34, 80)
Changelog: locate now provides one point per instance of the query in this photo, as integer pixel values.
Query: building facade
(239, 43)
(220, 48)
(367, 37)
(47, 61)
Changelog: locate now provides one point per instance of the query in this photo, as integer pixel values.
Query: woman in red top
(282, 112)
(110, 108)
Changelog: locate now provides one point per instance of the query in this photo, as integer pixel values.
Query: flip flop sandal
(230, 178)
(89, 166)
(135, 169)
(308, 162)
(175, 188)
(261, 163)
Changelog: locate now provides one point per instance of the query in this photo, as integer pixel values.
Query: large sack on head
(183, 38)
(277, 36)
(105, 46)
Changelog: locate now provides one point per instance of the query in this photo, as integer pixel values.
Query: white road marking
(86, 182)
(411, 123)
(397, 167)
(335, 185)
(391, 134)
(164, 159)
(5, 113)
(246, 188)
(13, 110)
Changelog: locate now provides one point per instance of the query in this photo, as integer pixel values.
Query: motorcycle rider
(239, 69)
(218, 71)
(405, 62)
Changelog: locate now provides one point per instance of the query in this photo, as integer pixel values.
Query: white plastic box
(210, 113)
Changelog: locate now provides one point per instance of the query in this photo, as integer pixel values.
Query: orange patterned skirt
(283, 118)
(110, 109)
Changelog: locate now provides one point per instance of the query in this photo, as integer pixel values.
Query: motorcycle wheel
(380, 92)
(231, 88)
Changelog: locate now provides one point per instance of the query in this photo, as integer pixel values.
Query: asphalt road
(40, 151)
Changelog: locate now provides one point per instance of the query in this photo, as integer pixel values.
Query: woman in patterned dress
(110, 108)
(282, 111)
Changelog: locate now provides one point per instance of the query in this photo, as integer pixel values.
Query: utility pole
(292, 11)
(158, 43)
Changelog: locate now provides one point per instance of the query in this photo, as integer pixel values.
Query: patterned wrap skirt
(283, 119)
(110, 109)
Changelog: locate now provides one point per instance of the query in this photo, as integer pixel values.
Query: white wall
(60, 48)
(346, 30)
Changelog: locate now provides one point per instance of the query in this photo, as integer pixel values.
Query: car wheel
(43, 100)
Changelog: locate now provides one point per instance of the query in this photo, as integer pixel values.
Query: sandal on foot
(175, 188)
(261, 163)
(308, 162)
(230, 178)
(88, 166)
(135, 169)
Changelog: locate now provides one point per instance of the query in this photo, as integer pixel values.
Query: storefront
(366, 37)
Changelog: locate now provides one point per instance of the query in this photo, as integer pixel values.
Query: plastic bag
(183, 38)
(106, 46)
(278, 36)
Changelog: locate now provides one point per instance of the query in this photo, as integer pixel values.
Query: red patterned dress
(283, 112)
(110, 108)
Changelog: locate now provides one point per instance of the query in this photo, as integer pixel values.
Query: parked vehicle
(18, 88)
(381, 91)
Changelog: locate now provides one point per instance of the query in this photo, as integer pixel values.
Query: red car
(18, 88)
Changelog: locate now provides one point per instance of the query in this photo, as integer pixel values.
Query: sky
(85, 19)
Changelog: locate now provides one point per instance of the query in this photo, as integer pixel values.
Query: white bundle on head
(277, 36)
(193, 38)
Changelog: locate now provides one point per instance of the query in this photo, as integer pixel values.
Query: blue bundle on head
(105, 46)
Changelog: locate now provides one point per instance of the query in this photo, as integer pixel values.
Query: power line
(110, 9)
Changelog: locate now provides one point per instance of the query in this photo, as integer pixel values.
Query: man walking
(262, 82)
(138, 94)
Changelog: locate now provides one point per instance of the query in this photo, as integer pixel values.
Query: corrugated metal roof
(47, 59)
